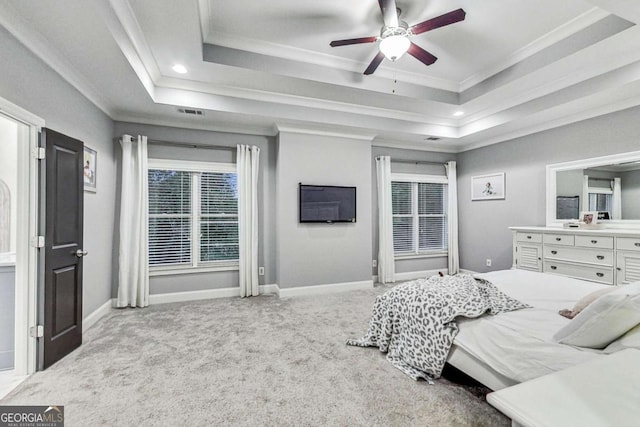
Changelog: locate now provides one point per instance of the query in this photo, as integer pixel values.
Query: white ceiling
(514, 67)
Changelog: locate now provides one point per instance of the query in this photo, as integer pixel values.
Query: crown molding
(614, 57)
(50, 55)
(567, 119)
(388, 143)
(310, 130)
(558, 34)
(322, 59)
(300, 101)
(208, 126)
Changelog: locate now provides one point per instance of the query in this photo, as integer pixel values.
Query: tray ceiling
(512, 67)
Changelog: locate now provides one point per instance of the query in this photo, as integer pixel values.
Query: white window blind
(419, 217)
(169, 217)
(193, 218)
(218, 217)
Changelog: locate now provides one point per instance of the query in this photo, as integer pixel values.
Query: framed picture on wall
(90, 169)
(488, 187)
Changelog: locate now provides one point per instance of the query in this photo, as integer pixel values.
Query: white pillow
(605, 320)
(629, 340)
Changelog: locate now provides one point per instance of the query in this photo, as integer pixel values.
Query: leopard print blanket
(414, 322)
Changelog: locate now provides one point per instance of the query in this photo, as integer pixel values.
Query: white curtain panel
(247, 167)
(133, 273)
(617, 199)
(452, 210)
(585, 193)
(386, 261)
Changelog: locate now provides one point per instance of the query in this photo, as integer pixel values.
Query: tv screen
(327, 203)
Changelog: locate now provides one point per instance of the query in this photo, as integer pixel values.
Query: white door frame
(26, 254)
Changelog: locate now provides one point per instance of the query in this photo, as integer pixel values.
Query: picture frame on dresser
(589, 217)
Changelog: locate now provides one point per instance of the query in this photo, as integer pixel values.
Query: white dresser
(610, 256)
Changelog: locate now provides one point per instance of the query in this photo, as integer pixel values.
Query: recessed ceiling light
(458, 114)
(179, 68)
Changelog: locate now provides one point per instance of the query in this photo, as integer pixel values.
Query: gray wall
(30, 83)
(484, 224)
(630, 183)
(266, 197)
(414, 264)
(313, 254)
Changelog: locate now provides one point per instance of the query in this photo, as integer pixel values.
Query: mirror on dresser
(607, 184)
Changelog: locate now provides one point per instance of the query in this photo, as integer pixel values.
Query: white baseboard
(97, 314)
(419, 274)
(325, 289)
(205, 294)
(462, 270)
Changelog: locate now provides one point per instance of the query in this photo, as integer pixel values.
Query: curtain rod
(191, 145)
(418, 162)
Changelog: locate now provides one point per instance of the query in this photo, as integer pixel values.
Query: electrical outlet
(260, 271)
(488, 262)
(374, 263)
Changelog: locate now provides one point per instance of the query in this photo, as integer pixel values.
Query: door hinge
(38, 153)
(36, 331)
(37, 241)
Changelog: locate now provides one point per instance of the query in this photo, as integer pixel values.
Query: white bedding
(518, 344)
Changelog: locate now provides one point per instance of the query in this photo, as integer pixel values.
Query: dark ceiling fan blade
(421, 55)
(440, 21)
(389, 12)
(345, 42)
(374, 64)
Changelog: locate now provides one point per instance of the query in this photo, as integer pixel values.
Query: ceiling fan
(394, 35)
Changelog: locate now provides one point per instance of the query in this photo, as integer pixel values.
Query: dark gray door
(62, 302)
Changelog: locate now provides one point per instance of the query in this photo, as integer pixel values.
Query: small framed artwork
(589, 217)
(488, 187)
(90, 169)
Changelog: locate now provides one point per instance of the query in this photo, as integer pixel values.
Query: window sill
(438, 254)
(178, 270)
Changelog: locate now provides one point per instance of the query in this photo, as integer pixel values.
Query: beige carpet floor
(249, 362)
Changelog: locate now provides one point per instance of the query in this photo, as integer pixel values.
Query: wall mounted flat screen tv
(327, 203)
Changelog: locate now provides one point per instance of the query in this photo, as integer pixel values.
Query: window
(419, 205)
(193, 215)
(600, 201)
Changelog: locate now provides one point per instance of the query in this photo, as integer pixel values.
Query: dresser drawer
(529, 237)
(559, 239)
(628, 243)
(595, 242)
(595, 274)
(590, 256)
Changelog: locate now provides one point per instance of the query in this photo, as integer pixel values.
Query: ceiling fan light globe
(393, 47)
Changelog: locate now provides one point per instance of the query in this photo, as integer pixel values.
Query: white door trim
(26, 255)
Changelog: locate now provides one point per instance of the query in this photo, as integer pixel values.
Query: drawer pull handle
(600, 256)
(594, 241)
(528, 237)
(600, 274)
(638, 245)
(553, 267)
(619, 269)
(554, 252)
(558, 239)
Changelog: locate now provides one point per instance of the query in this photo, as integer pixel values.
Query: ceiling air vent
(432, 138)
(191, 111)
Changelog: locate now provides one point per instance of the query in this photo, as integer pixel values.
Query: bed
(503, 350)
(501, 328)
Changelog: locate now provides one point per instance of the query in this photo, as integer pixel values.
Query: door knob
(81, 252)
